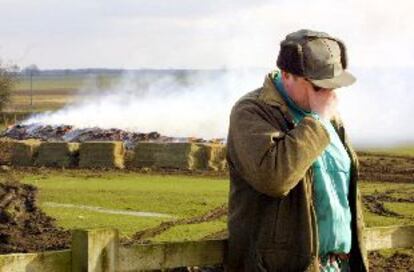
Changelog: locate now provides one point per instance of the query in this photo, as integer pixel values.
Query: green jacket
(271, 222)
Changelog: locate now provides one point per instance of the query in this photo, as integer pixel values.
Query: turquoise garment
(327, 264)
(331, 185)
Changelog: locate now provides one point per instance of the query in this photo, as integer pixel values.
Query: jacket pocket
(282, 226)
(267, 222)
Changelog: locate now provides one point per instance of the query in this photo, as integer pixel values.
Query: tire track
(142, 236)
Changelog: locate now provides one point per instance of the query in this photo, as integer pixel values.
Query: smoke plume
(376, 110)
(195, 105)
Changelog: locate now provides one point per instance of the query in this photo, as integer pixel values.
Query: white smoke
(377, 110)
(197, 107)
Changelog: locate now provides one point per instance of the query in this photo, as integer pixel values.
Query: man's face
(299, 88)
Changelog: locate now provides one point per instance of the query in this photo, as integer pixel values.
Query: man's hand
(324, 102)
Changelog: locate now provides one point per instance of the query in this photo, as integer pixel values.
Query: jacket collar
(271, 96)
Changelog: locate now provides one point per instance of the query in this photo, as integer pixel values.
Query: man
(294, 203)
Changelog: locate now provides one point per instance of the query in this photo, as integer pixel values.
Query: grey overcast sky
(196, 34)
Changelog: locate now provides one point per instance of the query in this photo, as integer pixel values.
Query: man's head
(317, 57)
(313, 65)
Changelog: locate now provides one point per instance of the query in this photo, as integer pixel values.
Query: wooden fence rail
(99, 251)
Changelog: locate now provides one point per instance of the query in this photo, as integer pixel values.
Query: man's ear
(287, 76)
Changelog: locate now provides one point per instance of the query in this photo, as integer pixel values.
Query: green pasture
(174, 195)
(398, 189)
(180, 196)
(191, 231)
(402, 150)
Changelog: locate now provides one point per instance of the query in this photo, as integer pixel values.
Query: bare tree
(7, 81)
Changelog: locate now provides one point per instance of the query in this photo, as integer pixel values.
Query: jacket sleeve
(273, 162)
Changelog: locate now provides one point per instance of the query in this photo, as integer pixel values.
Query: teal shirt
(331, 185)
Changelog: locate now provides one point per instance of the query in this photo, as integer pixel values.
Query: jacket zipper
(310, 187)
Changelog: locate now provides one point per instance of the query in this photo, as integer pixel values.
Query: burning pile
(69, 147)
(23, 226)
(67, 133)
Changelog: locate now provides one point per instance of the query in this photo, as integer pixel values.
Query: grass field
(179, 196)
(403, 150)
(397, 190)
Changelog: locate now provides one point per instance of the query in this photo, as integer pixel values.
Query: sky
(243, 34)
(135, 34)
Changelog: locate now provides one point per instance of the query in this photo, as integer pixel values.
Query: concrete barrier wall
(99, 250)
(181, 156)
(50, 261)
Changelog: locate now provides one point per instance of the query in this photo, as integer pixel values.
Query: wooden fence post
(95, 250)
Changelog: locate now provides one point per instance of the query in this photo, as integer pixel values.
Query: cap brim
(343, 80)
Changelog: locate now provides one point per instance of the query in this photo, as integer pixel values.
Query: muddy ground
(23, 226)
(386, 167)
(398, 262)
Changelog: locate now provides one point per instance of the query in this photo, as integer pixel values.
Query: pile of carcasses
(67, 133)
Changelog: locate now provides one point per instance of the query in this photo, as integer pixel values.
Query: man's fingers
(323, 102)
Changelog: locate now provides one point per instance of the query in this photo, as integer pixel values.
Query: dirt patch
(398, 262)
(387, 197)
(386, 167)
(375, 202)
(374, 205)
(142, 236)
(23, 226)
